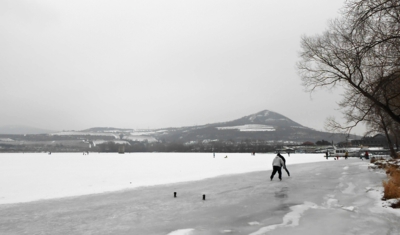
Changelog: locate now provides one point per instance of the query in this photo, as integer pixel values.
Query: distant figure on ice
(277, 163)
(226, 156)
(366, 155)
(288, 153)
(214, 155)
(327, 155)
(346, 155)
(284, 164)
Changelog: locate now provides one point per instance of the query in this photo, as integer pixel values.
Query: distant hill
(265, 117)
(264, 126)
(260, 132)
(21, 130)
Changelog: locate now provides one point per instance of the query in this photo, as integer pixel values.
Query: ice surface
(236, 204)
(34, 176)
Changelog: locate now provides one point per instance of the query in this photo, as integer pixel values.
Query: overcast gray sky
(76, 64)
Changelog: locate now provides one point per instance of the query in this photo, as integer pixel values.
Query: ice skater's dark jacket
(283, 159)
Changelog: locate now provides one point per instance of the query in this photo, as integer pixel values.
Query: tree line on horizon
(248, 146)
(216, 146)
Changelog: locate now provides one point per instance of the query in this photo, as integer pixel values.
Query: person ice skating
(284, 164)
(327, 155)
(277, 163)
(346, 155)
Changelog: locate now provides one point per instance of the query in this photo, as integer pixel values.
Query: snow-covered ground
(325, 197)
(35, 176)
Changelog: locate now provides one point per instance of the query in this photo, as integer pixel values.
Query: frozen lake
(35, 176)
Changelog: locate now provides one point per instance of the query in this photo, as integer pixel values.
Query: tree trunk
(385, 128)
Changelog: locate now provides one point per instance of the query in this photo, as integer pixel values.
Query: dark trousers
(287, 171)
(276, 169)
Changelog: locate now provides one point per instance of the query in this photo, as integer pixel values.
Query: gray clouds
(138, 64)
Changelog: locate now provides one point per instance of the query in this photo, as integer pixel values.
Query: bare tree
(361, 53)
(379, 122)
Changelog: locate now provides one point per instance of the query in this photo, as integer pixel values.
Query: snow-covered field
(35, 176)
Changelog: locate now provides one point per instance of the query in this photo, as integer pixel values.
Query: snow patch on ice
(346, 168)
(254, 223)
(332, 203)
(373, 166)
(350, 189)
(227, 231)
(187, 231)
(291, 219)
(349, 208)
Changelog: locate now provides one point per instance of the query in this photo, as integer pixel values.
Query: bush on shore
(391, 187)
